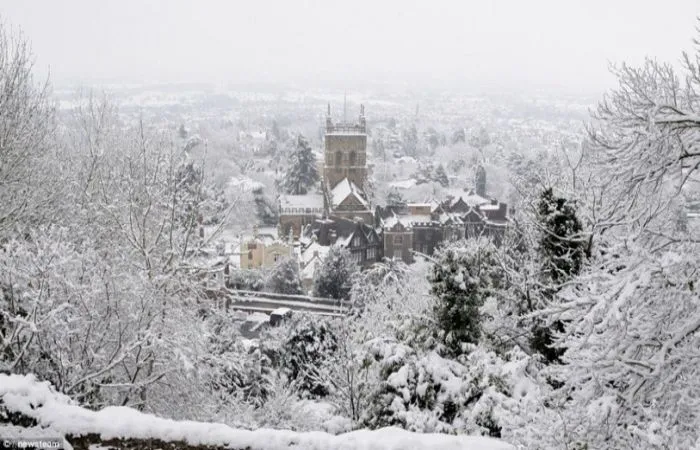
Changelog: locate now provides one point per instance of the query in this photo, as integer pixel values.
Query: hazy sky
(496, 42)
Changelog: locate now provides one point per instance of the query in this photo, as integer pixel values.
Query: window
(352, 158)
(398, 239)
(357, 256)
(371, 253)
(338, 158)
(250, 256)
(276, 257)
(251, 246)
(356, 241)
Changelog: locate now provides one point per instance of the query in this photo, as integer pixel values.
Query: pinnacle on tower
(345, 107)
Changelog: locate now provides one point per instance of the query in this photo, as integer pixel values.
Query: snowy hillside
(56, 415)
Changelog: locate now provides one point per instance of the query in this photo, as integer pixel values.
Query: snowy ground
(58, 416)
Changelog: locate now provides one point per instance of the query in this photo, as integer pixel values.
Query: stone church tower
(345, 154)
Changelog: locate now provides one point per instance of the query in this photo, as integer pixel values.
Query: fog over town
(350, 225)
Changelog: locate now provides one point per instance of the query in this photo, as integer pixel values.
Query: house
(398, 239)
(262, 251)
(360, 238)
(487, 220)
(422, 227)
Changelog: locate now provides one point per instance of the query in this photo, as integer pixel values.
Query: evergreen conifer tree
(441, 176)
(561, 246)
(464, 275)
(302, 173)
(394, 198)
(334, 277)
(562, 251)
(480, 184)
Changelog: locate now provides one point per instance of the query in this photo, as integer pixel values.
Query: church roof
(344, 189)
(301, 201)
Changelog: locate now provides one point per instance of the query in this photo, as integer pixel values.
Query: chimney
(494, 202)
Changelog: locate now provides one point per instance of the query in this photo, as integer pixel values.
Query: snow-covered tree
(284, 277)
(247, 280)
(266, 209)
(562, 245)
(410, 141)
(632, 314)
(334, 277)
(310, 342)
(458, 136)
(631, 346)
(395, 198)
(302, 173)
(480, 139)
(27, 122)
(464, 275)
(441, 176)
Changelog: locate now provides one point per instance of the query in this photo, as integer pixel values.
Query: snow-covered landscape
(299, 246)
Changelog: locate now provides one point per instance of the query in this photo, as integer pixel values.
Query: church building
(345, 169)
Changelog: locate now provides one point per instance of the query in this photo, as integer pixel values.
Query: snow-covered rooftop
(301, 201)
(489, 207)
(470, 198)
(403, 184)
(314, 248)
(408, 220)
(245, 183)
(344, 189)
(281, 311)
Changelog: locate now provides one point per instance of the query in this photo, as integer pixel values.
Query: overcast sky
(491, 42)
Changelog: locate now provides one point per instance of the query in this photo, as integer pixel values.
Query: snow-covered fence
(30, 409)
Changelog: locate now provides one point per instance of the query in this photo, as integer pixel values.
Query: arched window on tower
(352, 158)
(338, 158)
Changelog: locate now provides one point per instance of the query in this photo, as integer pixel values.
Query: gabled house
(398, 239)
(360, 238)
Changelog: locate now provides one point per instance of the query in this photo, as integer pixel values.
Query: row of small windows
(359, 256)
(301, 210)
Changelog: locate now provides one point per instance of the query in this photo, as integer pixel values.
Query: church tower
(345, 154)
